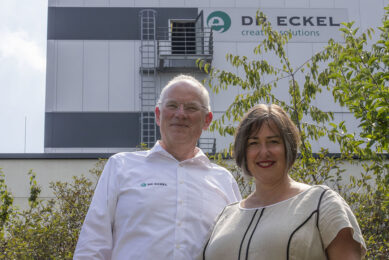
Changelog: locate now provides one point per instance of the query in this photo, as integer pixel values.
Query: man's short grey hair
(189, 79)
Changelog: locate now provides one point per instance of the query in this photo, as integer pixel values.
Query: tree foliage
(356, 73)
(47, 229)
(360, 79)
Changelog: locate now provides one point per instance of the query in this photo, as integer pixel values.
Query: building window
(183, 37)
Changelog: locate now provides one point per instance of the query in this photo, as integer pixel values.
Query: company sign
(305, 24)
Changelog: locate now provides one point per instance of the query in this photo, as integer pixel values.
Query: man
(161, 203)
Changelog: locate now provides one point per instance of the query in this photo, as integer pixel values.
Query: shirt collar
(158, 150)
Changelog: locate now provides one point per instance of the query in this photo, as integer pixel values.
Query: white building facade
(107, 61)
(106, 67)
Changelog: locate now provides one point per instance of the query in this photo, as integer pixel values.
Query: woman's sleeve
(334, 215)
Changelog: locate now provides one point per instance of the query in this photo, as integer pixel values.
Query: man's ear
(208, 120)
(158, 116)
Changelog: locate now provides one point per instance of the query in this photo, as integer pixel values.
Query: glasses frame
(185, 105)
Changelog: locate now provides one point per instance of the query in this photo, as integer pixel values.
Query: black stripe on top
(245, 233)
(252, 233)
(316, 211)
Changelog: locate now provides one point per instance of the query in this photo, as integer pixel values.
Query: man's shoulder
(218, 167)
(129, 156)
(219, 170)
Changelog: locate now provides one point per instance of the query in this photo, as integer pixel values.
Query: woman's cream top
(300, 227)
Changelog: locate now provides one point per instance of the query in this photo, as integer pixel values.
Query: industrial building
(107, 61)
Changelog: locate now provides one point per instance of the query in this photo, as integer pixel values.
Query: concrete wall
(51, 170)
(47, 170)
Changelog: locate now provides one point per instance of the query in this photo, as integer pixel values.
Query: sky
(23, 27)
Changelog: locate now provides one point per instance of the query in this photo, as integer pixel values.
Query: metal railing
(208, 145)
(185, 43)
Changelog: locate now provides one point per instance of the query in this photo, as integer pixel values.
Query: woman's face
(265, 154)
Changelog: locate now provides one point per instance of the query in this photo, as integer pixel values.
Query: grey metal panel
(80, 129)
(96, 76)
(48, 129)
(51, 75)
(122, 88)
(97, 3)
(68, 3)
(101, 23)
(69, 76)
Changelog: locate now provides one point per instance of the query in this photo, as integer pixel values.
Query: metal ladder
(148, 90)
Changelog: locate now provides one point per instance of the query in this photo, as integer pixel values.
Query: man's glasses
(189, 108)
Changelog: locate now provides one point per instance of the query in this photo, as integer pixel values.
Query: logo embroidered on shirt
(153, 184)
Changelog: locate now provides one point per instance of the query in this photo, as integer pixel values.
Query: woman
(282, 218)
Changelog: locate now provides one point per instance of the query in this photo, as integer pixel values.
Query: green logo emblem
(219, 21)
(143, 185)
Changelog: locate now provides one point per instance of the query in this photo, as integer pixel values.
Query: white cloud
(19, 47)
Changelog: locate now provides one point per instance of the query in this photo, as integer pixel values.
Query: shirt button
(180, 201)
(178, 246)
(179, 224)
(181, 182)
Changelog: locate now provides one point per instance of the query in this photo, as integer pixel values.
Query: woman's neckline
(274, 204)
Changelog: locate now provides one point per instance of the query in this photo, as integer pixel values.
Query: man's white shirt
(148, 205)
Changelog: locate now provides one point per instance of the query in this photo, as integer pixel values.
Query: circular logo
(219, 21)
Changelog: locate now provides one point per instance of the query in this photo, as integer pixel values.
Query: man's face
(182, 116)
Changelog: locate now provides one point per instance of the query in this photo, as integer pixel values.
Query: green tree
(357, 76)
(6, 201)
(47, 229)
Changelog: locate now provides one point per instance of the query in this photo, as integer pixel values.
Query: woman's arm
(339, 229)
(344, 247)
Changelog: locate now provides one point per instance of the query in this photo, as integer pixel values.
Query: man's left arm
(95, 240)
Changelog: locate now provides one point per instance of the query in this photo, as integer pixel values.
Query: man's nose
(181, 109)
